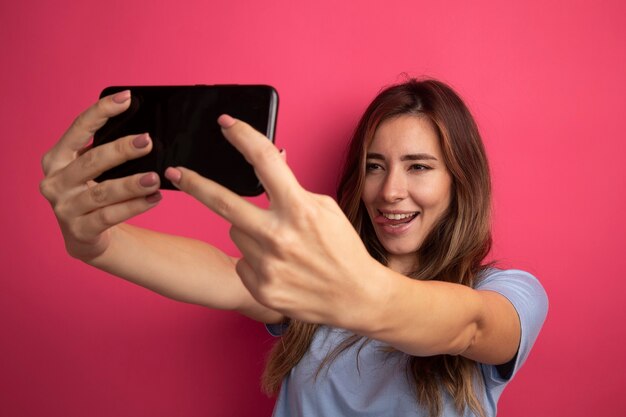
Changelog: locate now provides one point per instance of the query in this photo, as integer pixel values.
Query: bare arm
(91, 217)
(180, 268)
(425, 318)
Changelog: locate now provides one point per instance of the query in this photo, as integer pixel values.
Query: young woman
(383, 302)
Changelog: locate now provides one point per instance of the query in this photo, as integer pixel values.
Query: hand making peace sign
(301, 257)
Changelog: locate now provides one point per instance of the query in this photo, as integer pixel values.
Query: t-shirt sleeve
(531, 303)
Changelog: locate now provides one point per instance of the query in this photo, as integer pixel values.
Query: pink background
(545, 79)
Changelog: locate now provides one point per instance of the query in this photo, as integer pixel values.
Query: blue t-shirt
(376, 384)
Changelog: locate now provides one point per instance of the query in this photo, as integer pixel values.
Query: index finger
(88, 122)
(270, 167)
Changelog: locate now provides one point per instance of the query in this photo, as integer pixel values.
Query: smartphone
(182, 123)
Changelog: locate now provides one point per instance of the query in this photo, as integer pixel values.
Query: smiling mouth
(395, 219)
(399, 216)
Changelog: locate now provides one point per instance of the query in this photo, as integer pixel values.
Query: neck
(403, 264)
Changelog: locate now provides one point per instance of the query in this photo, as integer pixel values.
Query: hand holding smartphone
(182, 122)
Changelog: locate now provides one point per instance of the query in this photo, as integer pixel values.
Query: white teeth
(392, 216)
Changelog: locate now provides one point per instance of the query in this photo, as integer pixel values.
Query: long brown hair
(453, 251)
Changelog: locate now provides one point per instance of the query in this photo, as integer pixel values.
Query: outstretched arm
(302, 258)
(91, 216)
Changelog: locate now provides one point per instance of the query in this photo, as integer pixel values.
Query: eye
(372, 166)
(419, 167)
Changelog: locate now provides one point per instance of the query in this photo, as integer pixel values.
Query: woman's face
(407, 186)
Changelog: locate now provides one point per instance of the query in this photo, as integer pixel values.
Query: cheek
(369, 197)
(370, 191)
(434, 195)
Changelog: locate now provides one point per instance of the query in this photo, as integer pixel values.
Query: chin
(401, 249)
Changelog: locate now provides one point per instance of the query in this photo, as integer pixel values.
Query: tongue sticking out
(397, 222)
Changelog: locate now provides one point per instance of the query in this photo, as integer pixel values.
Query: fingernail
(226, 121)
(121, 97)
(141, 141)
(148, 180)
(153, 198)
(173, 175)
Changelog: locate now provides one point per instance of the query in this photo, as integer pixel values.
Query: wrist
(367, 315)
(101, 252)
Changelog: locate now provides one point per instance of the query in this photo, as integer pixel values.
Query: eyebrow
(408, 157)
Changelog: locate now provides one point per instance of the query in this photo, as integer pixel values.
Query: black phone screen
(182, 122)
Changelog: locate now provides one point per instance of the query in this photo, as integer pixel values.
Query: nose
(394, 188)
